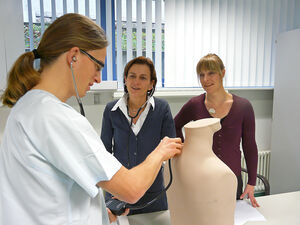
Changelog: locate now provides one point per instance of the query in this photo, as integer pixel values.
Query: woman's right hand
(169, 147)
(112, 217)
(142, 175)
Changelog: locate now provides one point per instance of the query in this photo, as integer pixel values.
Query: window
(133, 28)
(242, 33)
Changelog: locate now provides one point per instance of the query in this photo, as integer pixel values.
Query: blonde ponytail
(21, 78)
(64, 33)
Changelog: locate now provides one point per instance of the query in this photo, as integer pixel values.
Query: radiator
(263, 168)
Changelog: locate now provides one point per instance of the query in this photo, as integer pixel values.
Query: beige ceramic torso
(203, 191)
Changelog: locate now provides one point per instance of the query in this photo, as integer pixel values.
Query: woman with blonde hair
(237, 120)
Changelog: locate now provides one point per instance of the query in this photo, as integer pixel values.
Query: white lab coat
(50, 162)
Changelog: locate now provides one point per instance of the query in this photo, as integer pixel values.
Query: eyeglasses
(99, 63)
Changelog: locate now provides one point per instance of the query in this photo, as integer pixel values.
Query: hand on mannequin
(112, 217)
(249, 190)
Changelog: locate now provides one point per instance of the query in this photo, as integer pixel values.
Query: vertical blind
(138, 31)
(133, 28)
(242, 32)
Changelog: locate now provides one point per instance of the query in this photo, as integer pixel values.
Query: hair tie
(36, 54)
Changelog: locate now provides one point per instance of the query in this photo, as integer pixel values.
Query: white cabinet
(11, 36)
(285, 141)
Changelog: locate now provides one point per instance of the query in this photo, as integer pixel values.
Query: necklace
(211, 110)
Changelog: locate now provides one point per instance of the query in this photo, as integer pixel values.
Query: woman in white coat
(52, 161)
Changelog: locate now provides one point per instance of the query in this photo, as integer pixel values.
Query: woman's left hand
(249, 190)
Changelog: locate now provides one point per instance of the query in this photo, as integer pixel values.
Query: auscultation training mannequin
(204, 188)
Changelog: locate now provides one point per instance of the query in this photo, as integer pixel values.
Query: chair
(264, 180)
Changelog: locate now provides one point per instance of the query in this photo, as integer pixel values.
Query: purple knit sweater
(237, 126)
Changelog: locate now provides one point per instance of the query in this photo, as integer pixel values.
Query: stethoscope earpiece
(75, 86)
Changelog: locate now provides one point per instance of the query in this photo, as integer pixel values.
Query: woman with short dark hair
(132, 125)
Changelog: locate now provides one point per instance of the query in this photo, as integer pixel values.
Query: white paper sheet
(244, 212)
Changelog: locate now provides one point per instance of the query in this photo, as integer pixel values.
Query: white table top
(279, 209)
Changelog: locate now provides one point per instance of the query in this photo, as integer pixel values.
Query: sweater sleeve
(107, 130)
(168, 126)
(249, 143)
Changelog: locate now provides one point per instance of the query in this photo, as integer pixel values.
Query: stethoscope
(137, 113)
(76, 90)
(139, 110)
(131, 121)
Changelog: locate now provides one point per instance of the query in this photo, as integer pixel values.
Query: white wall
(94, 104)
